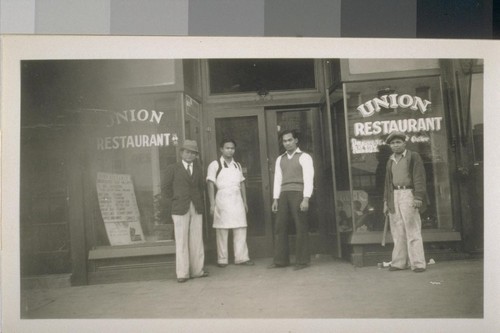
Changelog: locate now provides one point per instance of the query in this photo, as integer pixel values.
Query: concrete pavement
(329, 288)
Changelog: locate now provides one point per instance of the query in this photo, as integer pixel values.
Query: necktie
(189, 169)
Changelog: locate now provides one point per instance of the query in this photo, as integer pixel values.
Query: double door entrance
(256, 132)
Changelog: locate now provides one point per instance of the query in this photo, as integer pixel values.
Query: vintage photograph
(251, 188)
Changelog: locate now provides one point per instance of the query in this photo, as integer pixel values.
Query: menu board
(119, 209)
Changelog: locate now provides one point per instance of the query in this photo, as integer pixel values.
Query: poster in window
(119, 209)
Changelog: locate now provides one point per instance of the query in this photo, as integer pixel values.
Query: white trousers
(406, 232)
(189, 252)
(239, 244)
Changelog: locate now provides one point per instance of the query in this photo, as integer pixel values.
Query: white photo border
(15, 48)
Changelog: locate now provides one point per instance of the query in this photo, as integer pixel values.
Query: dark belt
(409, 187)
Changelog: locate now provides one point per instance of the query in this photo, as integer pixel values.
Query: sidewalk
(329, 288)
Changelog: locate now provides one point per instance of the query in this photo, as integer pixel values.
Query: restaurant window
(120, 123)
(260, 75)
(376, 108)
(130, 149)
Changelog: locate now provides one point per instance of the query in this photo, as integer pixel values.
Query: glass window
(374, 109)
(89, 112)
(301, 121)
(260, 75)
(130, 150)
(370, 66)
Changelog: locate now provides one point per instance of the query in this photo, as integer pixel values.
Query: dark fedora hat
(190, 145)
(394, 135)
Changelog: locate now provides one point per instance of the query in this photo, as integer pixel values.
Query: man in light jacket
(405, 196)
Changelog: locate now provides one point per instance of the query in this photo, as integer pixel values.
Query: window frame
(273, 97)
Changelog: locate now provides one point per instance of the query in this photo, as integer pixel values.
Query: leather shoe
(222, 265)
(419, 270)
(182, 280)
(300, 266)
(246, 263)
(273, 265)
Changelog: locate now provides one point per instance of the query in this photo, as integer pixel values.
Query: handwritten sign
(119, 208)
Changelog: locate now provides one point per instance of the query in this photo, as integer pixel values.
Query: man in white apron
(229, 205)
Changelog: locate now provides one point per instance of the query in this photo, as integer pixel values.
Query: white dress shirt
(306, 162)
(186, 166)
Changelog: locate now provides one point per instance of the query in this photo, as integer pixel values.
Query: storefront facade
(98, 212)
(423, 101)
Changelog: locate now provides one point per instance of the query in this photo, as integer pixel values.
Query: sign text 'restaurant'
(137, 141)
(401, 125)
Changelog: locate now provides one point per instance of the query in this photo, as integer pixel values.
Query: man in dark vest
(293, 187)
(405, 196)
(184, 192)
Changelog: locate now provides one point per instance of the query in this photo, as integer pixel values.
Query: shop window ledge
(428, 235)
(46, 281)
(134, 250)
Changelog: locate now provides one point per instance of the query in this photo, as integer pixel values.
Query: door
(256, 132)
(306, 120)
(247, 128)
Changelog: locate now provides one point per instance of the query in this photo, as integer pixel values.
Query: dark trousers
(289, 209)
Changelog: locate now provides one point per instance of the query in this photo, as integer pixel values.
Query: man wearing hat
(404, 198)
(184, 192)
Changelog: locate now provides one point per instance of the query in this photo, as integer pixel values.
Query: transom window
(260, 75)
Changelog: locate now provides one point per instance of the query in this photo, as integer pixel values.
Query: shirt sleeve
(278, 176)
(242, 177)
(212, 171)
(419, 181)
(306, 162)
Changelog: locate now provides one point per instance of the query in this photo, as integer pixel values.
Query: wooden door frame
(328, 133)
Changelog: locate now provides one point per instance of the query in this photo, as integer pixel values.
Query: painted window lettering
(401, 125)
(136, 141)
(367, 135)
(125, 116)
(393, 101)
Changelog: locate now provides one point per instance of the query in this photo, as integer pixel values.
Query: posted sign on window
(119, 208)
